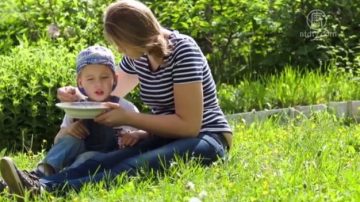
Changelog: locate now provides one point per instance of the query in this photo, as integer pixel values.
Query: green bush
(291, 87)
(253, 38)
(29, 77)
(61, 22)
(239, 37)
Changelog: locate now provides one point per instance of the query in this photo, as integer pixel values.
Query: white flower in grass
(190, 186)
(194, 199)
(173, 163)
(53, 31)
(202, 194)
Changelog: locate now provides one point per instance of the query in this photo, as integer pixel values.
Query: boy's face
(97, 81)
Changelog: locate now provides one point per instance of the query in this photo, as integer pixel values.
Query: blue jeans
(64, 152)
(81, 158)
(154, 153)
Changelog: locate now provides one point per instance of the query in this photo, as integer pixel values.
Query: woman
(175, 82)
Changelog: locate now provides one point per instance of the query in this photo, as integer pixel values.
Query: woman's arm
(186, 122)
(125, 83)
(187, 119)
(75, 129)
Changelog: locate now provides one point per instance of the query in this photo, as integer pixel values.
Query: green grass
(313, 159)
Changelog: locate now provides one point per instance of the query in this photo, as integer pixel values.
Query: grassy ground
(313, 159)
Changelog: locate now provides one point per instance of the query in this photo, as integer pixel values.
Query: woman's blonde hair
(132, 22)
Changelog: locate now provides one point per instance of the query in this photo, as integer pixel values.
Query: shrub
(61, 22)
(239, 37)
(29, 77)
(291, 87)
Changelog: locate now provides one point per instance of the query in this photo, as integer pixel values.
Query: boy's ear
(116, 75)
(79, 82)
(115, 81)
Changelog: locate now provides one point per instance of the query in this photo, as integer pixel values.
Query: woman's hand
(115, 116)
(78, 130)
(69, 94)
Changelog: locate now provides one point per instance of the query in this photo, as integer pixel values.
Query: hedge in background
(291, 87)
(239, 37)
(29, 77)
(60, 22)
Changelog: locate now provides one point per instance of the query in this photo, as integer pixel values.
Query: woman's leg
(81, 158)
(204, 147)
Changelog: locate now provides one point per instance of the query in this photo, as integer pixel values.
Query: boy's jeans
(69, 151)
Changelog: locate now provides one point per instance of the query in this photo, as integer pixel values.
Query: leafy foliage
(61, 22)
(239, 37)
(290, 88)
(253, 38)
(29, 78)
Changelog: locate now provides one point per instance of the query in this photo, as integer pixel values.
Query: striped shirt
(185, 64)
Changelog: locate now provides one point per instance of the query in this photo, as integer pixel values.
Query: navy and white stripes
(185, 64)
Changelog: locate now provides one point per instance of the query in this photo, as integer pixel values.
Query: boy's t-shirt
(102, 138)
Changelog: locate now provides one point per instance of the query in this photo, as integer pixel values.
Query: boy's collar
(111, 98)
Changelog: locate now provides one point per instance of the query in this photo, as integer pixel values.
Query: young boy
(96, 79)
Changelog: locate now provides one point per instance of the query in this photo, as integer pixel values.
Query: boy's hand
(69, 94)
(78, 130)
(130, 138)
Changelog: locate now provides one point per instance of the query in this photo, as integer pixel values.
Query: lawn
(314, 159)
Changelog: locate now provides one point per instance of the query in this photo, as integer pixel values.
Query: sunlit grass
(313, 159)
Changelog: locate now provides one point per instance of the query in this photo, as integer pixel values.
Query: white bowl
(82, 110)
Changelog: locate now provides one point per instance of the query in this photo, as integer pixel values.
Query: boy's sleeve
(66, 121)
(128, 128)
(128, 105)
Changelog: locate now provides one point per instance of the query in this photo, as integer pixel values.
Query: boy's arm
(130, 138)
(60, 134)
(69, 94)
(75, 129)
(142, 134)
(66, 122)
